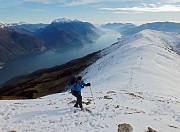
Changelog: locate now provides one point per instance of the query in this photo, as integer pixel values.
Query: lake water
(30, 63)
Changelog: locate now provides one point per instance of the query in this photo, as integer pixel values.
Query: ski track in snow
(137, 83)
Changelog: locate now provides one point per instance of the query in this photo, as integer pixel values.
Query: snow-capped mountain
(19, 23)
(65, 33)
(64, 20)
(135, 81)
(11, 24)
(2, 25)
(23, 27)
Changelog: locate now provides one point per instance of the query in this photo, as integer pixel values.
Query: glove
(88, 84)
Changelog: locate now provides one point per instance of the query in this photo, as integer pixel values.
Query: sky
(94, 11)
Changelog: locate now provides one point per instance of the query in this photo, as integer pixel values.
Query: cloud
(81, 2)
(41, 1)
(169, 1)
(149, 8)
(160, 1)
(85, 2)
(123, 12)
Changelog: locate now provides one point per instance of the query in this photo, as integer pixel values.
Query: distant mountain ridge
(32, 27)
(24, 25)
(120, 27)
(160, 26)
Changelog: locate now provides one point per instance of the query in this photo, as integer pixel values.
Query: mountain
(31, 27)
(120, 27)
(24, 26)
(21, 38)
(62, 20)
(66, 33)
(13, 44)
(18, 30)
(160, 26)
(1, 25)
(134, 81)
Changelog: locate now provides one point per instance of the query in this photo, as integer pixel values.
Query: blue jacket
(77, 86)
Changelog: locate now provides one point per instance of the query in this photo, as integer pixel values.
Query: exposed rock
(132, 94)
(125, 128)
(107, 97)
(151, 130)
(172, 126)
(109, 92)
(117, 106)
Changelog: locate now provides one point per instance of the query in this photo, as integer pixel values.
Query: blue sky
(94, 11)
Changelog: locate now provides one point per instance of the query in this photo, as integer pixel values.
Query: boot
(82, 108)
(76, 105)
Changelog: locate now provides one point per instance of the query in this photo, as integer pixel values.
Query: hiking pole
(91, 93)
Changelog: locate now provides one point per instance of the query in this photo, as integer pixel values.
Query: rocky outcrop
(151, 130)
(125, 128)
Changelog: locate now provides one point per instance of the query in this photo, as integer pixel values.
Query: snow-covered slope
(135, 81)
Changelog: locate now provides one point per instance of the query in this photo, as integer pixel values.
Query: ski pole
(91, 93)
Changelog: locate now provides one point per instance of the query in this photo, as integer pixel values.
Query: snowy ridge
(64, 20)
(136, 81)
(3, 25)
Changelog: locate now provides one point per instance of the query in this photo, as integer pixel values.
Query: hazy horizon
(89, 22)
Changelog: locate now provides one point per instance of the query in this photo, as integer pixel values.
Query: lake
(30, 63)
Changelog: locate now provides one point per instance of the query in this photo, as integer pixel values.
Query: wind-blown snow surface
(136, 81)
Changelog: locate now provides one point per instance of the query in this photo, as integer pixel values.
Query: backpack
(73, 81)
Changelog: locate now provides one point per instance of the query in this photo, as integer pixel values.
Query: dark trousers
(77, 94)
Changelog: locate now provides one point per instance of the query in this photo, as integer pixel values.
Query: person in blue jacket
(76, 90)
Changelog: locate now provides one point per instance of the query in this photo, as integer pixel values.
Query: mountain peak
(20, 23)
(64, 20)
(2, 25)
